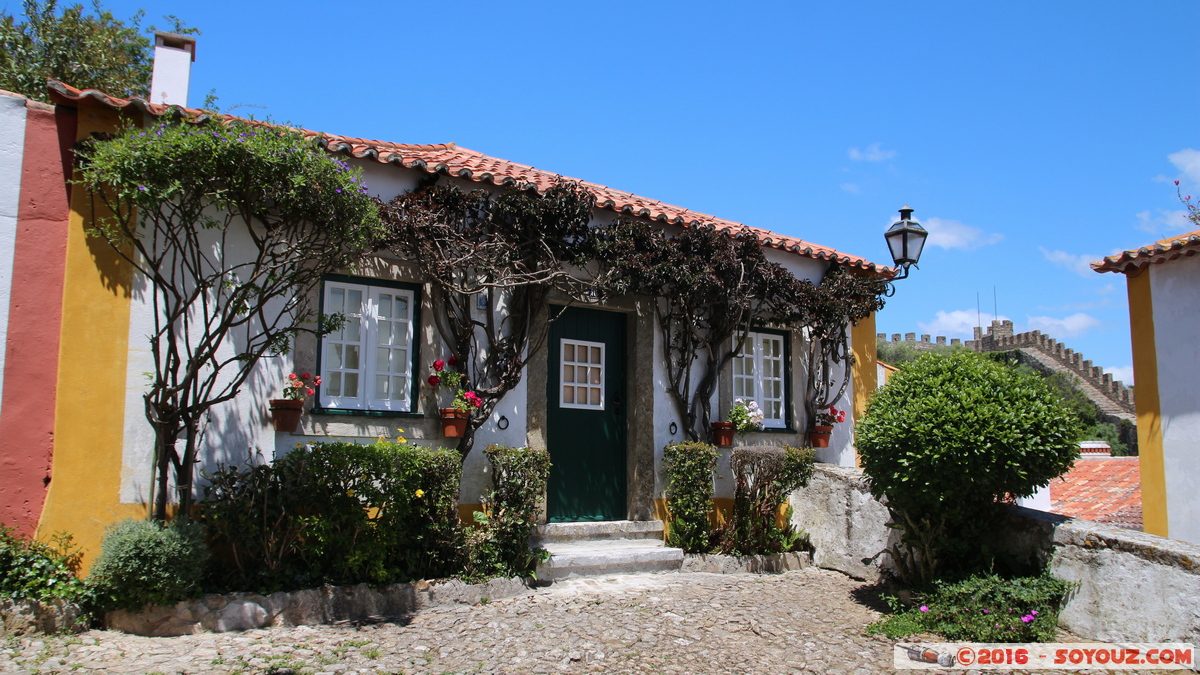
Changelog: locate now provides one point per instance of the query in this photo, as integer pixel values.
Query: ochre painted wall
(1149, 417)
(90, 408)
(35, 311)
(863, 344)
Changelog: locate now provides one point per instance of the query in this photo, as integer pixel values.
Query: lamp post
(905, 238)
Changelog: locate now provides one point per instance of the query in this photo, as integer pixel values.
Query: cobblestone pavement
(804, 621)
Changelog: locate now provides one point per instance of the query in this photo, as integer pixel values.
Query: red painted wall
(35, 316)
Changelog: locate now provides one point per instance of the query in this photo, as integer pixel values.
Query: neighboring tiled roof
(1154, 254)
(452, 160)
(1104, 490)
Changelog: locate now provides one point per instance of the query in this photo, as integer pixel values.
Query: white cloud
(1164, 222)
(873, 153)
(952, 234)
(851, 188)
(1121, 373)
(1071, 326)
(1187, 161)
(1079, 264)
(958, 323)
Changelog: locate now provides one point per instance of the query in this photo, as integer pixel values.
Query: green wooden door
(585, 421)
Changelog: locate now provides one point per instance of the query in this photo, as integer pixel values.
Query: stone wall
(1132, 586)
(910, 339)
(29, 617)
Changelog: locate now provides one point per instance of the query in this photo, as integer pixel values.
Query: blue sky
(1029, 137)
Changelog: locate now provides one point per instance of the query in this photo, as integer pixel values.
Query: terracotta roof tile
(1184, 245)
(1104, 490)
(454, 160)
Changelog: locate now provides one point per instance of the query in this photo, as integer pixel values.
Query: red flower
(311, 392)
(476, 402)
(453, 361)
(438, 365)
(434, 380)
(291, 376)
(306, 376)
(318, 380)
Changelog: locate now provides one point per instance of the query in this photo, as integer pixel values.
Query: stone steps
(606, 547)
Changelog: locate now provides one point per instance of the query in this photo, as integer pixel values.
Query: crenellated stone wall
(1115, 400)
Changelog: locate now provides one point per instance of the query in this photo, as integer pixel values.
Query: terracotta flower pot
(723, 433)
(819, 436)
(285, 413)
(454, 422)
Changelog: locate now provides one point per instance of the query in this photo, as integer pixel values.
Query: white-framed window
(368, 363)
(759, 374)
(581, 374)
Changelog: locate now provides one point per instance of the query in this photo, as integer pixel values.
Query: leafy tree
(899, 353)
(232, 226)
(85, 49)
(945, 441)
(711, 288)
(515, 248)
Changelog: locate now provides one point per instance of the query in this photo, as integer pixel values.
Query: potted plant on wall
(744, 417)
(823, 426)
(285, 412)
(454, 418)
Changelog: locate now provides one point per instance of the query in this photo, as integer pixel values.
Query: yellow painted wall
(1149, 416)
(863, 343)
(84, 493)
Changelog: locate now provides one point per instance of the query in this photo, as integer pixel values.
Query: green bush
(983, 609)
(499, 544)
(338, 513)
(33, 570)
(764, 476)
(902, 353)
(689, 468)
(144, 562)
(948, 438)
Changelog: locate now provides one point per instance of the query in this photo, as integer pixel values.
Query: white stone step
(599, 530)
(607, 556)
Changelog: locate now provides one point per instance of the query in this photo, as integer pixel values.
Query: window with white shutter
(760, 374)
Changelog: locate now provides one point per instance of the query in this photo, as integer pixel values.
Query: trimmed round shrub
(950, 436)
(144, 562)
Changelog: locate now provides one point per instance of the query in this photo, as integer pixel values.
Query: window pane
(399, 360)
(595, 375)
(351, 385)
(595, 396)
(568, 373)
(383, 360)
(595, 355)
(385, 306)
(568, 394)
(335, 355)
(337, 301)
(334, 384)
(568, 352)
(351, 361)
(381, 386)
(353, 330)
(354, 302)
(401, 307)
(384, 333)
(399, 387)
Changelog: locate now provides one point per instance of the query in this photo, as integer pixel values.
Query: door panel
(585, 420)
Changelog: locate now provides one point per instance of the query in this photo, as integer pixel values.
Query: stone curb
(30, 617)
(325, 605)
(774, 563)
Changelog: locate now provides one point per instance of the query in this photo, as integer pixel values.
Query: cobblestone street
(657, 623)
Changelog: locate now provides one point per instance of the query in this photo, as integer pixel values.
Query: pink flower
(924, 608)
(476, 402)
(311, 392)
(434, 380)
(297, 384)
(318, 380)
(291, 376)
(438, 365)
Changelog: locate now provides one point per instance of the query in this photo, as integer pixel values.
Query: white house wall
(12, 155)
(1175, 289)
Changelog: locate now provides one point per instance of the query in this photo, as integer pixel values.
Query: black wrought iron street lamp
(905, 238)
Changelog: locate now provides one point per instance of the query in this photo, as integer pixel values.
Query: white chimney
(1094, 449)
(173, 56)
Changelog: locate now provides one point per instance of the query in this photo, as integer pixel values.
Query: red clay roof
(1104, 490)
(450, 159)
(1183, 245)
